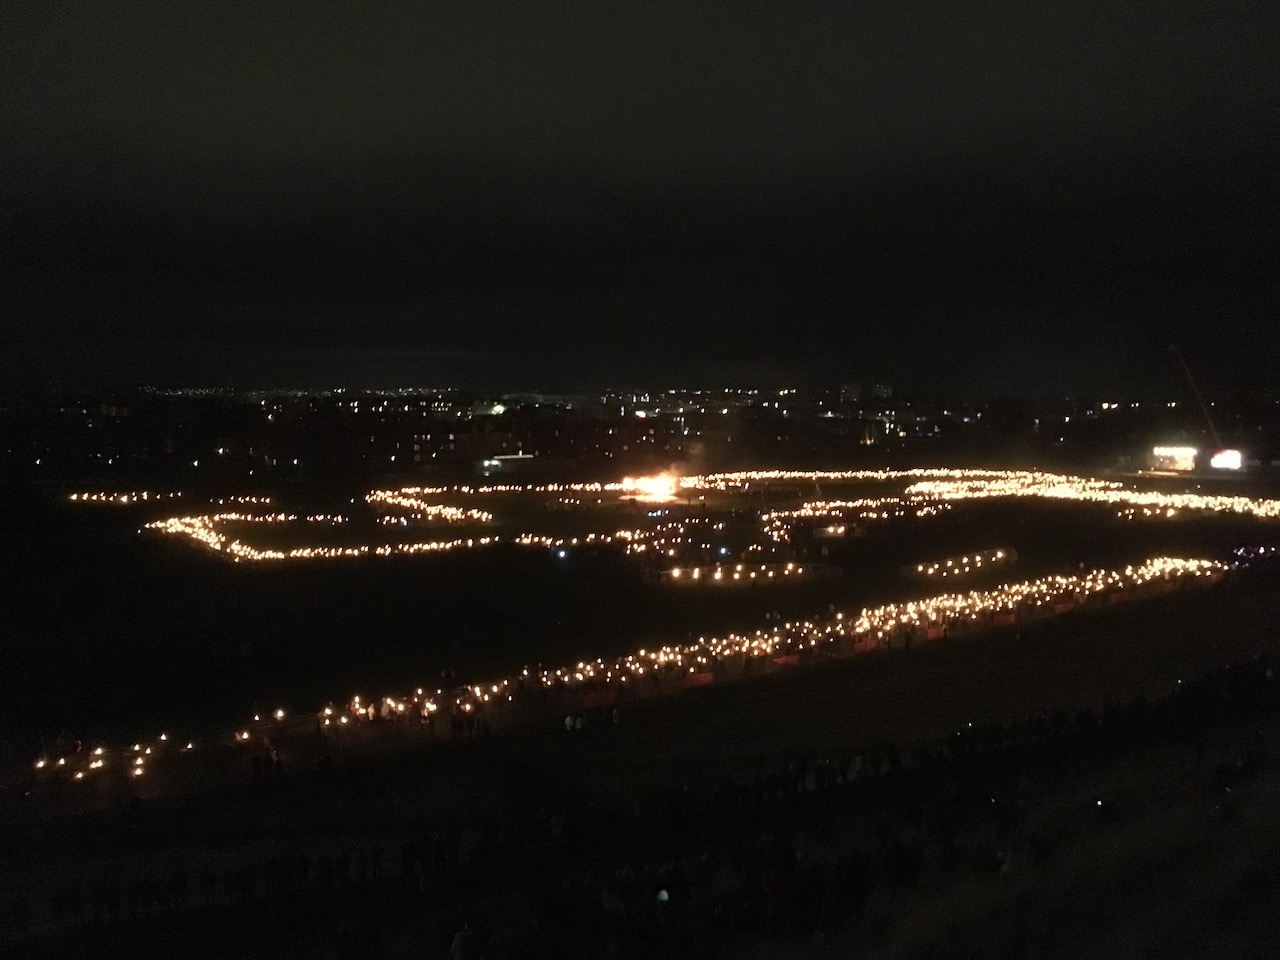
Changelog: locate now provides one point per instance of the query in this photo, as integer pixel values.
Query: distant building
(853, 392)
(507, 463)
(523, 464)
(1174, 459)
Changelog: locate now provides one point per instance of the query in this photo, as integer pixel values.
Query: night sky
(1003, 196)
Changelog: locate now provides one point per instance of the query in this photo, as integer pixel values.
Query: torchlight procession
(735, 573)
(132, 497)
(928, 491)
(957, 566)
(836, 633)
(408, 499)
(121, 498)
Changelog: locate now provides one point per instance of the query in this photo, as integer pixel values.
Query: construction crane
(1204, 407)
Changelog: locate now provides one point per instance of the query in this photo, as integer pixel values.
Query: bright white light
(1227, 460)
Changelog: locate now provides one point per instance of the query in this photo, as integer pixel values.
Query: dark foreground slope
(1097, 806)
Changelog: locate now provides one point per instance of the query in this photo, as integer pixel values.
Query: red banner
(699, 679)
(787, 660)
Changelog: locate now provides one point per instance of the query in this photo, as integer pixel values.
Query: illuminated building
(1174, 459)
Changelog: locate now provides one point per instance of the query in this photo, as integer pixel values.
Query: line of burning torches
(125, 498)
(958, 566)
(926, 484)
(778, 524)
(927, 492)
(869, 628)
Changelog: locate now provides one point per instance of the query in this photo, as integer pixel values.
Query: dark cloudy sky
(1000, 195)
